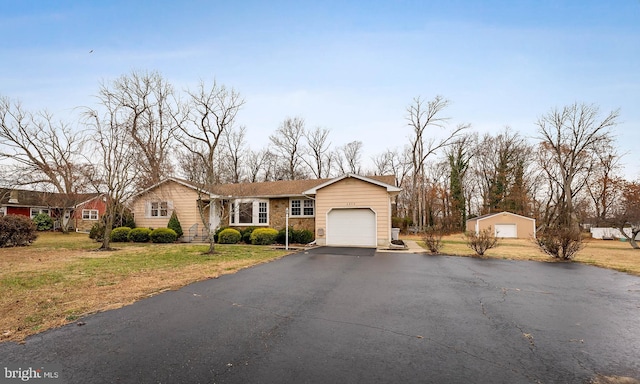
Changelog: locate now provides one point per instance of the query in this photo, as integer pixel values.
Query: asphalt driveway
(355, 316)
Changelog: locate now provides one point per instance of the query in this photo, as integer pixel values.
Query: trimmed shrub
(174, 224)
(163, 235)
(282, 236)
(246, 234)
(120, 234)
(16, 230)
(264, 236)
(229, 236)
(43, 222)
(303, 236)
(140, 235)
(296, 236)
(217, 232)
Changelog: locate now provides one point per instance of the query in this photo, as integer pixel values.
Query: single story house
(349, 210)
(84, 209)
(504, 225)
(87, 212)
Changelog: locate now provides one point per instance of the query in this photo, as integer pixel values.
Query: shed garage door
(351, 227)
(506, 230)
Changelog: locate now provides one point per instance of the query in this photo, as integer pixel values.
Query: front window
(245, 213)
(249, 212)
(159, 209)
(262, 212)
(89, 214)
(302, 207)
(36, 211)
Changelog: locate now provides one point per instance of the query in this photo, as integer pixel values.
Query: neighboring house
(26, 203)
(31, 203)
(610, 233)
(504, 225)
(349, 210)
(88, 212)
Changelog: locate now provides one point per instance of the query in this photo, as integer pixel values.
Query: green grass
(60, 278)
(145, 258)
(30, 280)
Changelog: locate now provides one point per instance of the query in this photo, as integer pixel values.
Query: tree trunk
(632, 239)
(106, 245)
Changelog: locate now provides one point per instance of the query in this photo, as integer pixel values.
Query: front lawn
(60, 277)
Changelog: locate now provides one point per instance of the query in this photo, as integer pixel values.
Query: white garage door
(506, 230)
(351, 227)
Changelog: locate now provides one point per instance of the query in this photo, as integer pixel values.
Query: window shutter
(147, 209)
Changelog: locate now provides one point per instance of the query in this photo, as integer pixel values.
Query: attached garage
(351, 227)
(354, 211)
(504, 225)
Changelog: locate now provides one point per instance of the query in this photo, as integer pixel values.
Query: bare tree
(235, 152)
(393, 162)
(422, 115)
(382, 162)
(569, 139)
(499, 167)
(202, 123)
(287, 142)
(318, 159)
(115, 155)
(147, 106)
(350, 157)
(627, 216)
(42, 152)
(256, 163)
(605, 183)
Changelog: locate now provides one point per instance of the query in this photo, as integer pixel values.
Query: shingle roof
(280, 188)
(26, 198)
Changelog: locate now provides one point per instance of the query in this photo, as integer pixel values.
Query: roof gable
(183, 182)
(489, 215)
(381, 181)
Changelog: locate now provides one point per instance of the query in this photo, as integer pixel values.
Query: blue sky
(350, 66)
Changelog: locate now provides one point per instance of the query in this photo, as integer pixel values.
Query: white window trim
(33, 212)
(234, 213)
(148, 209)
(3, 211)
(302, 200)
(92, 214)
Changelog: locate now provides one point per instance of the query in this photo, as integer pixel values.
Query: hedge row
(143, 235)
(262, 236)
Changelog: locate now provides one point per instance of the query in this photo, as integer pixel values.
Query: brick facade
(277, 217)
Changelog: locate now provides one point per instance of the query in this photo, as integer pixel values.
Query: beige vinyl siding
(183, 200)
(354, 193)
(525, 226)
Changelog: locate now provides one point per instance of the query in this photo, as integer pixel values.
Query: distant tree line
(142, 130)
